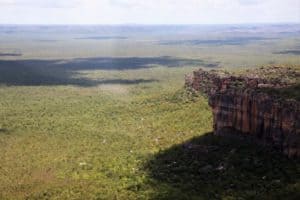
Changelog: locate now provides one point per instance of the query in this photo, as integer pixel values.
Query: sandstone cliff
(244, 105)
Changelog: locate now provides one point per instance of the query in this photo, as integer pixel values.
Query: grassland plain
(75, 142)
(118, 141)
(71, 129)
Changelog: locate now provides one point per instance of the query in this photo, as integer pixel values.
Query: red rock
(238, 105)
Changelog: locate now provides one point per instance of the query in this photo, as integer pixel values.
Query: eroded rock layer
(242, 105)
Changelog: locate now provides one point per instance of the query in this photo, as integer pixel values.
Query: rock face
(240, 105)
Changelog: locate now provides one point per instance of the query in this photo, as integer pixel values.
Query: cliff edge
(263, 103)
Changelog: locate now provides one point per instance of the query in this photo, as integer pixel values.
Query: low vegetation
(86, 115)
(127, 141)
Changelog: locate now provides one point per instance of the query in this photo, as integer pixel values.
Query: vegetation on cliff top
(289, 75)
(281, 81)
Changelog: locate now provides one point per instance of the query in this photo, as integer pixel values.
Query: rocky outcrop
(241, 104)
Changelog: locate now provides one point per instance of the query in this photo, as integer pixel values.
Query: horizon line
(150, 24)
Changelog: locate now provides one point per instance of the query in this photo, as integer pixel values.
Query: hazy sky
(148, 11)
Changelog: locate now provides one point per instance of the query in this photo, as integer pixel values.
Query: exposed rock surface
(240, 104)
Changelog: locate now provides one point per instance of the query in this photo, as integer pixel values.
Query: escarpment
(253, 104)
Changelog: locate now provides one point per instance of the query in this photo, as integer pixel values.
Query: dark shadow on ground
(10, 54)
(216, 42)
(124, 63)
(102, 38)
(46, 40)
(294, 52)
(214, 167)
(2, 130)
(62, 72)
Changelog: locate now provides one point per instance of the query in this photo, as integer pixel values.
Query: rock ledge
(242, 105)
